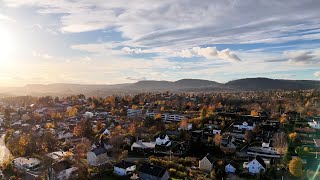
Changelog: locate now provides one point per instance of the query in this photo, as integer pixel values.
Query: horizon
(150, 80)
(116, 42)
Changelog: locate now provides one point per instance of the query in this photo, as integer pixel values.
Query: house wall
(255, 167)
(94, 160)
(230, 169)
(119, 171)
(144, 176)
(205, 165)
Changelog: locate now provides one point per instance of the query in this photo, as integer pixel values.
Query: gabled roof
(153, 170)
(124, 164)
(210, 158)
(232, 163)
(261, 161)
(99, 150)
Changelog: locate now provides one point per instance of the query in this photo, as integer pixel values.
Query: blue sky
(107, 42)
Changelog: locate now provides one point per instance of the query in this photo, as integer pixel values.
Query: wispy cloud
(209, 53)
(317, 74)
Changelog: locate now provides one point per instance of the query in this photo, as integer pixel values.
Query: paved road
(4, 151)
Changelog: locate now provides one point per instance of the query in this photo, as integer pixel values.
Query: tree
(295, 167)
(293, 136)
(280, 142)
(184, 124)
(217, 139)
(248, 136)
(203, 112)
(254, 113)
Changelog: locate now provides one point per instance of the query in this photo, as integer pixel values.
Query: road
(4, 151)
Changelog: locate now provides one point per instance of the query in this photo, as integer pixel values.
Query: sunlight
(6, 45)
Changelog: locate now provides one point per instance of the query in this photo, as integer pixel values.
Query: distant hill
(183, 85)
(266, 84)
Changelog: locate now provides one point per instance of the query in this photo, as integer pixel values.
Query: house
(124, 168)
(25, 163)
(133, 113)
(65, 134)
(206, 163)
(247, 125)
(58, 155)
(142, 146)
(230, 167)
(256, 165)
(172, 117)
(314, 124)
(186, 128)
(153, 172)
(163, 140)
(61, 170)
(97, 156)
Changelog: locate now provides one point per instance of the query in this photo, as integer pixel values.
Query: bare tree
(280, 142)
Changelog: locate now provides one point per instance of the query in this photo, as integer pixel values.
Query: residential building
(230, 167)
(25, 163)
(257, 165)
(153, 172)
(97, 156)
(206, 163)
(124, 168)
(134, 113)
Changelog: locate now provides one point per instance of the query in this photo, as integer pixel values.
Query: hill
(183, 85)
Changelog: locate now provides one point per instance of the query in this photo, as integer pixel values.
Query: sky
(117, 41)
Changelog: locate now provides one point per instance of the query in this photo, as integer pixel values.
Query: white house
(314, 124)
(230, 167)
(124, 168)
(256, 165)
(97, 156)
(88, 115)
(206, 163)
(244, 125)
(139, 145)
(163, 140)
(132, 113)
(172, 117)
(25, 163)
(187, 128)
(65, 134)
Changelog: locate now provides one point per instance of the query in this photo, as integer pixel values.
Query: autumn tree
(184, 124)
(295, 167)
(280, 142)
(217, 139)
(293, 136)
(254, 113)
(203, 112)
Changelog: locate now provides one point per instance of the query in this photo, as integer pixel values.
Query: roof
(144, 145)
(317, 142)
(210, 158)
(60, 166)
(124, 164)
(99, 150)
(153, 170)
(261, 161)
(232, 163)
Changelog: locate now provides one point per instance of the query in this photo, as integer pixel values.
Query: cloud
(136, 79)
(187, 23)
(129, 50)
(209, 53)
(301, 57)
(41, 55)
(317, 74)
(6, 18)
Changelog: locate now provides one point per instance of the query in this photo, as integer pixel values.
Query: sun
(6, 45)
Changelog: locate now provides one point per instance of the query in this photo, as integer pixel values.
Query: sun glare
(6, 45)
